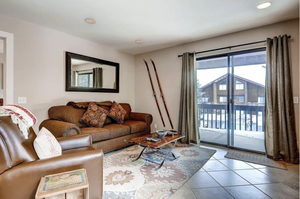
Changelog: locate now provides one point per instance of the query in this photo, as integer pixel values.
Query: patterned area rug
(255, 158)
(125, 179)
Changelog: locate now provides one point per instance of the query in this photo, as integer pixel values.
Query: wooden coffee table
(156, 147)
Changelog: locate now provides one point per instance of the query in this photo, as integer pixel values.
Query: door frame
(8, 69)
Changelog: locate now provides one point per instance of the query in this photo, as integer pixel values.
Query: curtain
(281, 141)
(188, 107)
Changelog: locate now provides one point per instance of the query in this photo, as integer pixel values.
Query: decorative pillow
(117, 113)
(94, 116)
(46, 145)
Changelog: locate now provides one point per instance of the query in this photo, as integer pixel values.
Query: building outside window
(222, 87)
(239, 85)
(205, 99)
(239, 99)
(261, 100)
(223, 99)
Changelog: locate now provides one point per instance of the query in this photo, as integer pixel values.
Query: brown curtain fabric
(281, 141)
(188, 106)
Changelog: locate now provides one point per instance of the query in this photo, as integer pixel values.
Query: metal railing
(245, 117)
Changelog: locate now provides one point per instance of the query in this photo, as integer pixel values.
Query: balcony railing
(245, 117)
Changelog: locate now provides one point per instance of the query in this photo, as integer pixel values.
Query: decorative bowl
(161, 133)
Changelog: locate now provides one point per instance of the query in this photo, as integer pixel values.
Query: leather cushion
(14, 148)
(85, 105)
(117, 130)
(94, 116)
(136, 126)
(98, 134)
(67, 114)
(127, 108)
(117, 113)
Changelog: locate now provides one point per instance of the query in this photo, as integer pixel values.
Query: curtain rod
(229, 47)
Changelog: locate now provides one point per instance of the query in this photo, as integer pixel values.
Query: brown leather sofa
(21, 169)
(64, 121)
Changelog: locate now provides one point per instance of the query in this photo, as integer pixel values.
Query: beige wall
(39, 66)
(169, 67)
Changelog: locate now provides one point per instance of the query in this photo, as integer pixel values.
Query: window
(239, 85)
(261, 100)
(223, 98)
(85, 80)
(240, 99)
(205, 99)
(222, 87)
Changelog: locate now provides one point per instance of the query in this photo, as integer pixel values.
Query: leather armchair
(21, 169)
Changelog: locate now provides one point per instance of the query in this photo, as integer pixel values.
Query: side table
(71, 185)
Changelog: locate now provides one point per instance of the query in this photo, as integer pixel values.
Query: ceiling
(159, 23)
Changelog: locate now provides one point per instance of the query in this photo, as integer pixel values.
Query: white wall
(1, 66)
(39, 66)
(169, 67)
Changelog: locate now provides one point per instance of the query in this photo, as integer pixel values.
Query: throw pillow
(94, 116)
(117, 113)
(46, 145)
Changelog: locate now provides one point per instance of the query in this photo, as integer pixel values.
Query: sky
(254, 73)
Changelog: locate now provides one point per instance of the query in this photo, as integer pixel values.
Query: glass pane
(91, 80)
(248, 105)
(83, 80)
(212, 100)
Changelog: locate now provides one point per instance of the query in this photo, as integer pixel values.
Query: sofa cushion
(117, 113)
(127, 108)
(67, 114)
(98, 134)
(85, 105)
(117, 130)
(136, 126)
(94, 116)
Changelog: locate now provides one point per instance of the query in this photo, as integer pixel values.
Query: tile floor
(226, 178)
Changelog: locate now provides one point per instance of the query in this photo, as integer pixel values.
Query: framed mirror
(88, 74)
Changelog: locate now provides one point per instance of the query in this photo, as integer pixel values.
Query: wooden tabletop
(64, 182)
(166, 140)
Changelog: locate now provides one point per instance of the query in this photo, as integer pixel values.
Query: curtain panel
(188, 107)
(281, 141)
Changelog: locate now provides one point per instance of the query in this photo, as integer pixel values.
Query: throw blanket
(19, 115)
(85, 105)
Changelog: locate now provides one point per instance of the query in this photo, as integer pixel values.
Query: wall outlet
(155, 126)
(296, 100)
(22, 100)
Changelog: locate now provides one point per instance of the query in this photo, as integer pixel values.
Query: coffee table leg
(140, 154)
(172, 150)
(161, 164)
(167, 153)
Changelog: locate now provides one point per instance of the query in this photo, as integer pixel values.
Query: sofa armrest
(26, 176)
(75, 141)
(145, 117)
(60, 128)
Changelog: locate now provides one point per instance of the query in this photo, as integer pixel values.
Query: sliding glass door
(231, 96)
(212, 95)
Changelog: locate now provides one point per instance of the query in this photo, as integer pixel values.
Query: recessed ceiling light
(264, 5)
(139, 41)
(90, 21)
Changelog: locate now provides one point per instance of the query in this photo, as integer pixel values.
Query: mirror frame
(69, 87)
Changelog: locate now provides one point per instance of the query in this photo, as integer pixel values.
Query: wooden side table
(70, 185)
